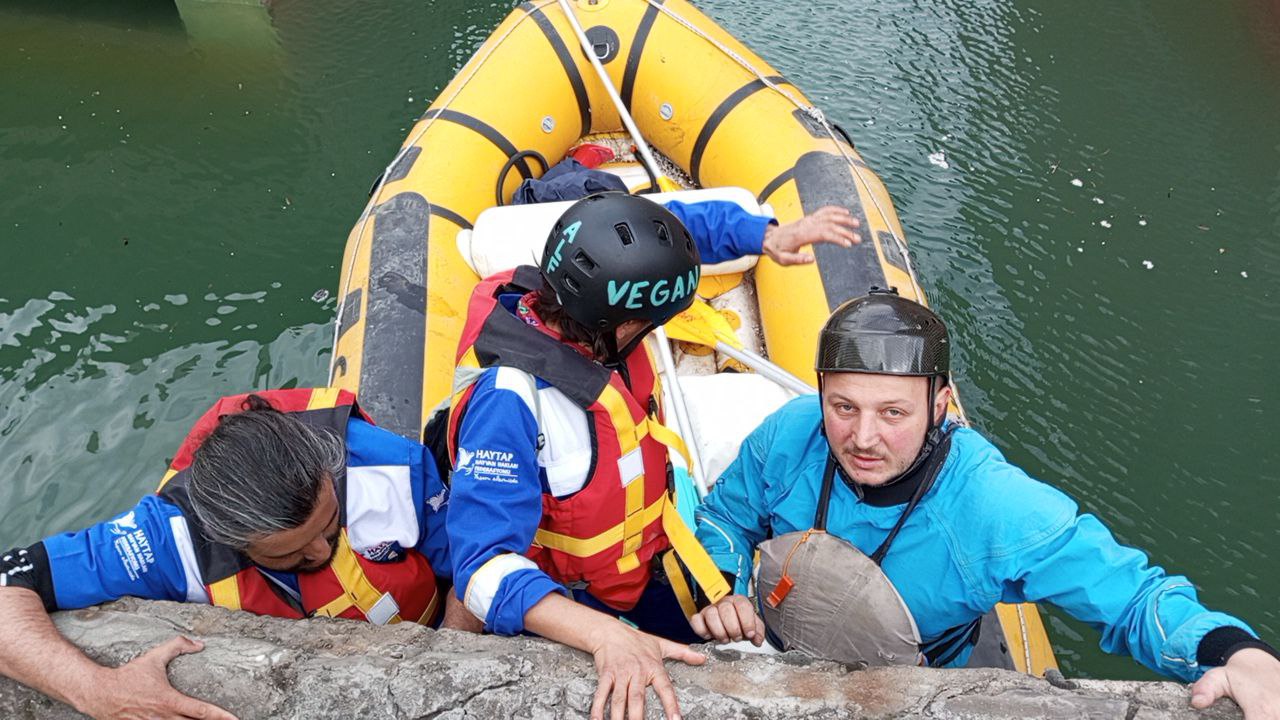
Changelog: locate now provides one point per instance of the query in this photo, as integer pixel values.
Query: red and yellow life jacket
(606, 534)
(351, 586)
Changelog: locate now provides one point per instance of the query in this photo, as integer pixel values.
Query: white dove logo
(123, 524)
(464, 458)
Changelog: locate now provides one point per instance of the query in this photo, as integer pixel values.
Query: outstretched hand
(140, 689)
(628, 662)
(1251, 677)
(830, 224)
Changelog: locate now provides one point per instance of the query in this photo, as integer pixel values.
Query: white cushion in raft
(505, 237)
(725, 408)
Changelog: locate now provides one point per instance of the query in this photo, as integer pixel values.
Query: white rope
(818, 116)
(477, 63)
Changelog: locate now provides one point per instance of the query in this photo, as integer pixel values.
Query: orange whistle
(780, 592)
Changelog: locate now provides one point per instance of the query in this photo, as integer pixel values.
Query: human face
(876, 424)
(630, 330)
(306, 548)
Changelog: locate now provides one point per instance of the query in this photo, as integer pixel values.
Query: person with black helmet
(886, 530)
(560, 507)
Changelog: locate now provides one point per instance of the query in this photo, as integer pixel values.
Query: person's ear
(940, 403)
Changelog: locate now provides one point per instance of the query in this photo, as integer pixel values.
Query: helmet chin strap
(616, 359)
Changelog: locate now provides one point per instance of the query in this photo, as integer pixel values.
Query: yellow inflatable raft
(714, 110)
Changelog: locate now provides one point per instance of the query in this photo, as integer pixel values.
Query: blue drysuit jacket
(986, 533)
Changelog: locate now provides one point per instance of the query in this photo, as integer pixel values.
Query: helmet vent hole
(572, 285)
(664, 237)
(585, 263)
(624, 233)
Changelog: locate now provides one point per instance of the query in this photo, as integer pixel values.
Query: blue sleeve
(434, 544)
(133, 554)
(369, 445)
(722, 230)
(734, 518)
(1139, 609)
(496, 504)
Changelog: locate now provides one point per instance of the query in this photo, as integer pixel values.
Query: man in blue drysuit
(933, 510)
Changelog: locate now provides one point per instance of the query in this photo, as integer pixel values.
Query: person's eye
(894, 413)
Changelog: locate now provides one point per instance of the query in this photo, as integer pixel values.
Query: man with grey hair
(288, 503)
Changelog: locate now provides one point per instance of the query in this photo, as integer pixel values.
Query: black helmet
(885, 334)
(614, 257)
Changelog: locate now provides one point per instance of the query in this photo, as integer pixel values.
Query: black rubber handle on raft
(510, 163)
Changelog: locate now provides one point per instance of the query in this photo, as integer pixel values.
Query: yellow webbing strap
(668, 437)
(168, 475)
(586, 547)
(692, 554)
(634, 523)
(429, 613)
(358, 591)
(226, 593)
(629, 436)
(322, 398)
(675, 576)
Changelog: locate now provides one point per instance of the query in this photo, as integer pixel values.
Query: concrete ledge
(260, 667)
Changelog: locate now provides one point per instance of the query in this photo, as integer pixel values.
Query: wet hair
(550, 311)
(260, 472)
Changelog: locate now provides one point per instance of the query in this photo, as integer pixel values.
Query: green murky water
(1092, 191)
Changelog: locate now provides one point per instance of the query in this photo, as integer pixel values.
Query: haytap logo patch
(491, 465)
(132, 545)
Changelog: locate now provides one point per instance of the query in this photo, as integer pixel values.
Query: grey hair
(260, 472)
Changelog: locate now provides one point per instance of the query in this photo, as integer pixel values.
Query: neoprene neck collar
(901, 489)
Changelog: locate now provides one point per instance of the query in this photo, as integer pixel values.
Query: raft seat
(511, 235)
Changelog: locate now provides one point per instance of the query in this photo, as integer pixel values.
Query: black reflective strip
(395, 328)
(636, 52)
(721, 112)
(567, 62)
(402, 167)
(451, 216)
(783, 178)
(29, 568)
(489, 133)
(825, 179)
(350, 312)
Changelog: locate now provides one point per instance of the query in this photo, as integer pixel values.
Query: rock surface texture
(261, 667)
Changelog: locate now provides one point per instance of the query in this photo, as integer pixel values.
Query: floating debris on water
(1105, 223)
(1244, 274)
(1077, 182)
(1099, 200)
(939, 159)
(320, 295)
(1142, 222)
(1148, 264)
